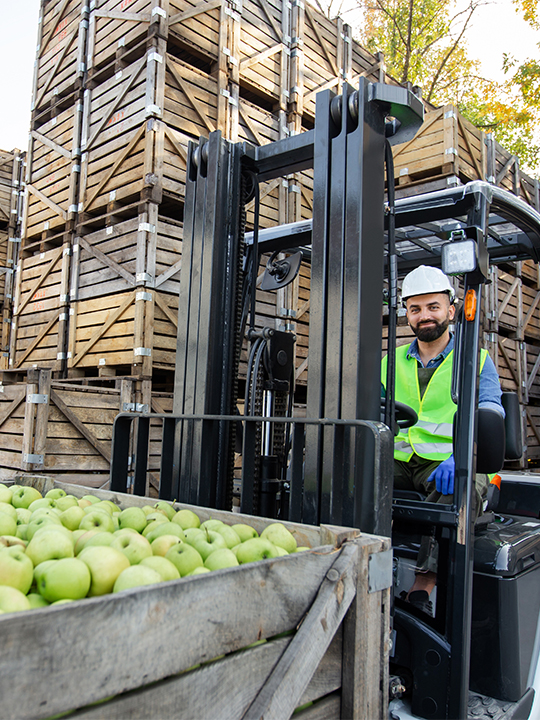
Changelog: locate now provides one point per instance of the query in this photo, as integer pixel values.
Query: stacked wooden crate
(11, 176)
(64, 427)
(120, 89)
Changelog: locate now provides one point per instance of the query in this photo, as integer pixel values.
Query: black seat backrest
(512, 423)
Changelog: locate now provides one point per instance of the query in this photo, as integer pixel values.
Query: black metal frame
(128, 425)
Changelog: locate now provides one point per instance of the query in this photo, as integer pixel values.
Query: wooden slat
(102, 449)
(44, 331)
(39, 282)
(193, 12)
(112, 318)
(286, 684)
(13, 405)
(47, 201)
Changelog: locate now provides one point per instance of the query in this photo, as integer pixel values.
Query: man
(423, 459)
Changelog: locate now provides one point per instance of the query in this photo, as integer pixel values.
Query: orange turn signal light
(469, 306)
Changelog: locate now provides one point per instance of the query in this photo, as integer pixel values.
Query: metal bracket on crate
(380, 571)
(135, 407)
(33, 459)
(35, 399)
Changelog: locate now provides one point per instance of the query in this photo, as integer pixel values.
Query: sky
(497, 28)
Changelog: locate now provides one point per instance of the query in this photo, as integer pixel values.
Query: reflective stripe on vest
(431, 436)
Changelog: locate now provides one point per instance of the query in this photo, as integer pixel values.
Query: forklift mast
(336, 464)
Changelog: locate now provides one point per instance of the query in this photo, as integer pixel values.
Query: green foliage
(423, 42)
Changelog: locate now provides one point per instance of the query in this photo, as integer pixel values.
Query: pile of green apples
(60, 548)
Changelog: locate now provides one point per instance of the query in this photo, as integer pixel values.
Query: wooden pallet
(59, 66)
(327, 638)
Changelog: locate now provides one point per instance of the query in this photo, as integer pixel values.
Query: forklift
(479, 655)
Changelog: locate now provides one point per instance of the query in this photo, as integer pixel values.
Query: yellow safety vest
(431, 437)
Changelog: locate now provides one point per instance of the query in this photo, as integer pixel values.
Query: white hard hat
(424, 280)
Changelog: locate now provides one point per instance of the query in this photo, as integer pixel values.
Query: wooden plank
(202, 7)
(103, 449)
(13, 405)
(106, 260)
(55, 256)
(112, 318)
(38, 339)
(199, 692)
(281, 693)
(275, 596)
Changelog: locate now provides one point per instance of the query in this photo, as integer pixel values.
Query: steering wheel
(404, 416)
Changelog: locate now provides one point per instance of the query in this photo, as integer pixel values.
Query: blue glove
(444, 476)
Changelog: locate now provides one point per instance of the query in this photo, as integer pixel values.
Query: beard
(427, 332)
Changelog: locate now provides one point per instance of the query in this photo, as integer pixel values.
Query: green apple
(199, 571)
(84, 503)
(192, 533)
(125, 531)
(8, 510)
(166, 508)
(167, 528)
(153, 520)
(97, 520)
(162, 566)
(41, 522)
(281, 551)
(230, 536)
(67, 579)
(162, 544)
(55, 493)
(8, 525)
(72, 517)
(23, 516)
(186, 519)
(245, 532)
(105, 564)
(62, 602)
(209, 542)
(66, 502)
(24, 496)
(96, 507)
(302, 548)
(5, 493)
(16, 568)
(147, 509)
(12, 600)
(220, 559)
(212, 524)
(184, 557)
(76, 534)
(256, 549)
(100, 538)
(136, 576)
(49, 545)
(40, 569)
(112, 507)
(80, 542)
(21, 532)
(40, 503)
(42, 512)
(91, 498)
(134, 547)
(36, 601)
(11, 541)
(278, 534)
(133, 517)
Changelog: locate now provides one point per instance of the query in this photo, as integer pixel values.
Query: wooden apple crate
(64, 428)
(179, 649)
(59, 67)
(445, 146)
(53, 166)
